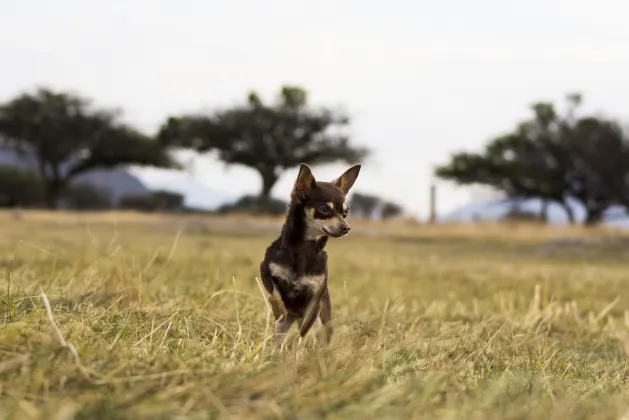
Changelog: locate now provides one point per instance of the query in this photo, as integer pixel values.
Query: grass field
(161, 317)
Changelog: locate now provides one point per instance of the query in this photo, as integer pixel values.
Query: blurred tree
(528, 163)
(268, 138)
(20, 188)
(554, 158)
(157, 201)
(250, 204)
(391, 210)
(598, 174)
(68, 137)
(373, 207)
(85, 197)
(364, 205)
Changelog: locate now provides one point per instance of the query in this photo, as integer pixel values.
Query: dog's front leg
(282, 325)
(325, 316)
(320, 332)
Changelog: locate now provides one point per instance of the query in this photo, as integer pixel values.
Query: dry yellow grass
(154, 316)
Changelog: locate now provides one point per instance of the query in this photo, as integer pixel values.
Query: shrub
(20, 188)
(158, 201)
(85, 197)
(251, 204)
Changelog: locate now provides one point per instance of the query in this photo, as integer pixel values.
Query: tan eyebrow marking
(345, 207)
(331, 205)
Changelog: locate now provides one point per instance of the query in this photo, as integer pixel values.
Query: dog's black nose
(345, 228)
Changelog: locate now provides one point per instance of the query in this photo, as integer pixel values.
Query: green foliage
(68, 136)
(554, 158)
(25, 189)
(268, 138)
(20, 188)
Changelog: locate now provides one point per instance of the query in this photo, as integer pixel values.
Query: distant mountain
(196, 195)
(498, 209)
(136, 181)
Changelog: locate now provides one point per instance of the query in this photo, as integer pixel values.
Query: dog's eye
(324, 209)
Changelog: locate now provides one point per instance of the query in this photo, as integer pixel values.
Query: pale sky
(421, 79)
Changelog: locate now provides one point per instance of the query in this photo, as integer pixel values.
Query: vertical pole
(433, 204)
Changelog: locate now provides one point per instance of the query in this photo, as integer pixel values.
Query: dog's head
(324, 203)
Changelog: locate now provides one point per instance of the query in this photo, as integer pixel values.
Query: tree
(268, 138)
(364, 205)
(371, 206)
(85, 197)
(527, 163)
(390, 210)
(67, 136)
(555, 158)
(20, 188)
(598, 175)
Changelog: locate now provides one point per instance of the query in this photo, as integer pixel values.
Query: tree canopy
(68, 136)
(268, 138)
(553, 157)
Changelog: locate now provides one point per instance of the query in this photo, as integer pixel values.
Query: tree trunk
(269, 179)
(569, 212)
(52, 183)
(52, 195)
(544, 211)
(593, 216)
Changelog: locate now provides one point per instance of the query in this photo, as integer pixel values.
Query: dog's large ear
(346, 181)
(304, 184)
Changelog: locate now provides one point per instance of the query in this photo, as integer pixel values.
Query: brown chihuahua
(295, 266)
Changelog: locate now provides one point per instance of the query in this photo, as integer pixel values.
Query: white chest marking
(281, 272)
(313, 282)
(287, 275)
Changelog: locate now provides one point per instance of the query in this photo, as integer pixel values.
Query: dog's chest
(294, 279)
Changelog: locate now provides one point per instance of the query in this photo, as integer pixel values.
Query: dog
(294, 271)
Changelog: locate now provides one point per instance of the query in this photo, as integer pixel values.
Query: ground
(155, 316)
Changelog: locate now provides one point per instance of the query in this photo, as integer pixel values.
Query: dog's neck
(295, 235)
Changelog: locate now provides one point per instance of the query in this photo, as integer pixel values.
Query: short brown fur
(294, 270)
